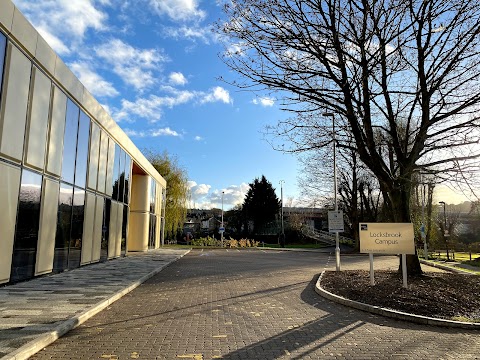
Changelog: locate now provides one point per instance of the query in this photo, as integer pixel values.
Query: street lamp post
(221, 225)
(337, 240)
(422, 228)
(281, 213)
(445, 231)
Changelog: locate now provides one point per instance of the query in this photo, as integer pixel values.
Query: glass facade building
(75, 189)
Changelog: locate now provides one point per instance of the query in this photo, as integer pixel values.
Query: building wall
(65, 165)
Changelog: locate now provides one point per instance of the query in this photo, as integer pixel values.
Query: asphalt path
(250, 304)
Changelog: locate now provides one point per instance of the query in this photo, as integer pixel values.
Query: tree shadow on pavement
(336, 321)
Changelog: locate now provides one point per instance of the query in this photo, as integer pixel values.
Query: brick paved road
(249, 305)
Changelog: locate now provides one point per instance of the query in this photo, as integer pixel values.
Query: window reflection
(124, 228)
(105, 230)
(128, 169)
(152, 194)
(152, 231)
(75, 245)
(82, 150)
(26, 234)
(116, 173)
(64, 221)
(70, 142)
(121, 186)
(119, 183)
(3, 43)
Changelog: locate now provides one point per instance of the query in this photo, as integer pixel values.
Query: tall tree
(401, 76)
(234, 220)
(261, 205)
(177, 192)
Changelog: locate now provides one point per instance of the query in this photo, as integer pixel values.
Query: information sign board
(335, 221)
(387, 238)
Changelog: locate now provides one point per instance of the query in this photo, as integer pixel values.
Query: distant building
(312, 217)
(74, 189)
(202, 222)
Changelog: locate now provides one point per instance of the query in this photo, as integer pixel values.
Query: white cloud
(198, 138)
(178, 10)
(235, 49)
(217, 94)
(152, 133)
(177, 78)
(204, 34)
(233, 195)
(264, 101)
(135, 66)
(93, 81)
(198, 189)
(63, 18)
(202, 198)
(164, 132)
(198, 195)
(151, 108)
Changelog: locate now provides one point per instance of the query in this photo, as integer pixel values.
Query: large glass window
(128, 169)
(126, 213)
(3, 44)
(116, 174)
(78, 213)
(152, 231)
(152, 195)
(121, 177)
(64, 222)
(26, 234)
(105, 230)
(82, 150)
(70, 142)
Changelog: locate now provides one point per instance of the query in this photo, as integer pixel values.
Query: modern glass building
(74, 189)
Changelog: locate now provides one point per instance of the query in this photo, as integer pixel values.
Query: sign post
(372, 276)
(387, 238)
(404, 270)
(336, 225)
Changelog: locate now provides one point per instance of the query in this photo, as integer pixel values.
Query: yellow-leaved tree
(178, 192)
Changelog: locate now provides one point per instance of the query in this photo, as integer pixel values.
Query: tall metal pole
(337, 239)
(422, 229)
(281, 197)
(445, 231)
(221, 232)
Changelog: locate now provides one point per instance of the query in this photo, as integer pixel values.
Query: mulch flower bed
(439, 295)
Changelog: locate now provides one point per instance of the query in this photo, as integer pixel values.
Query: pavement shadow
(293, 340)
(337, 319)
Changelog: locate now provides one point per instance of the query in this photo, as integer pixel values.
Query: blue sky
(154, 65)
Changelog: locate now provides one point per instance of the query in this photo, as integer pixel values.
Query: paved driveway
(233, 304)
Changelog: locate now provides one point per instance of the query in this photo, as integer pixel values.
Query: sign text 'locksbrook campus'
(387, 238)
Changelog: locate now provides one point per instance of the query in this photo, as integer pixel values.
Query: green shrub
(205, 241)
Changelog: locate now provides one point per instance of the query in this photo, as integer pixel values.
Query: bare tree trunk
(400, 201)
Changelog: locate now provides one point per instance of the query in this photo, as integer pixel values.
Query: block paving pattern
(251, 304)
(32, 308)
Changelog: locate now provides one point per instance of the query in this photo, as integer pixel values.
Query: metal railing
(323, 236)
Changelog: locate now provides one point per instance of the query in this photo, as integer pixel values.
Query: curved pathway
(250, 304)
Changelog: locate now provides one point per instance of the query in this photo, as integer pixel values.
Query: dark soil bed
(440, 295)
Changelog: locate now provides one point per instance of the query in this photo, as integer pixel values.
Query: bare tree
(401, 76)
(358, 195)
